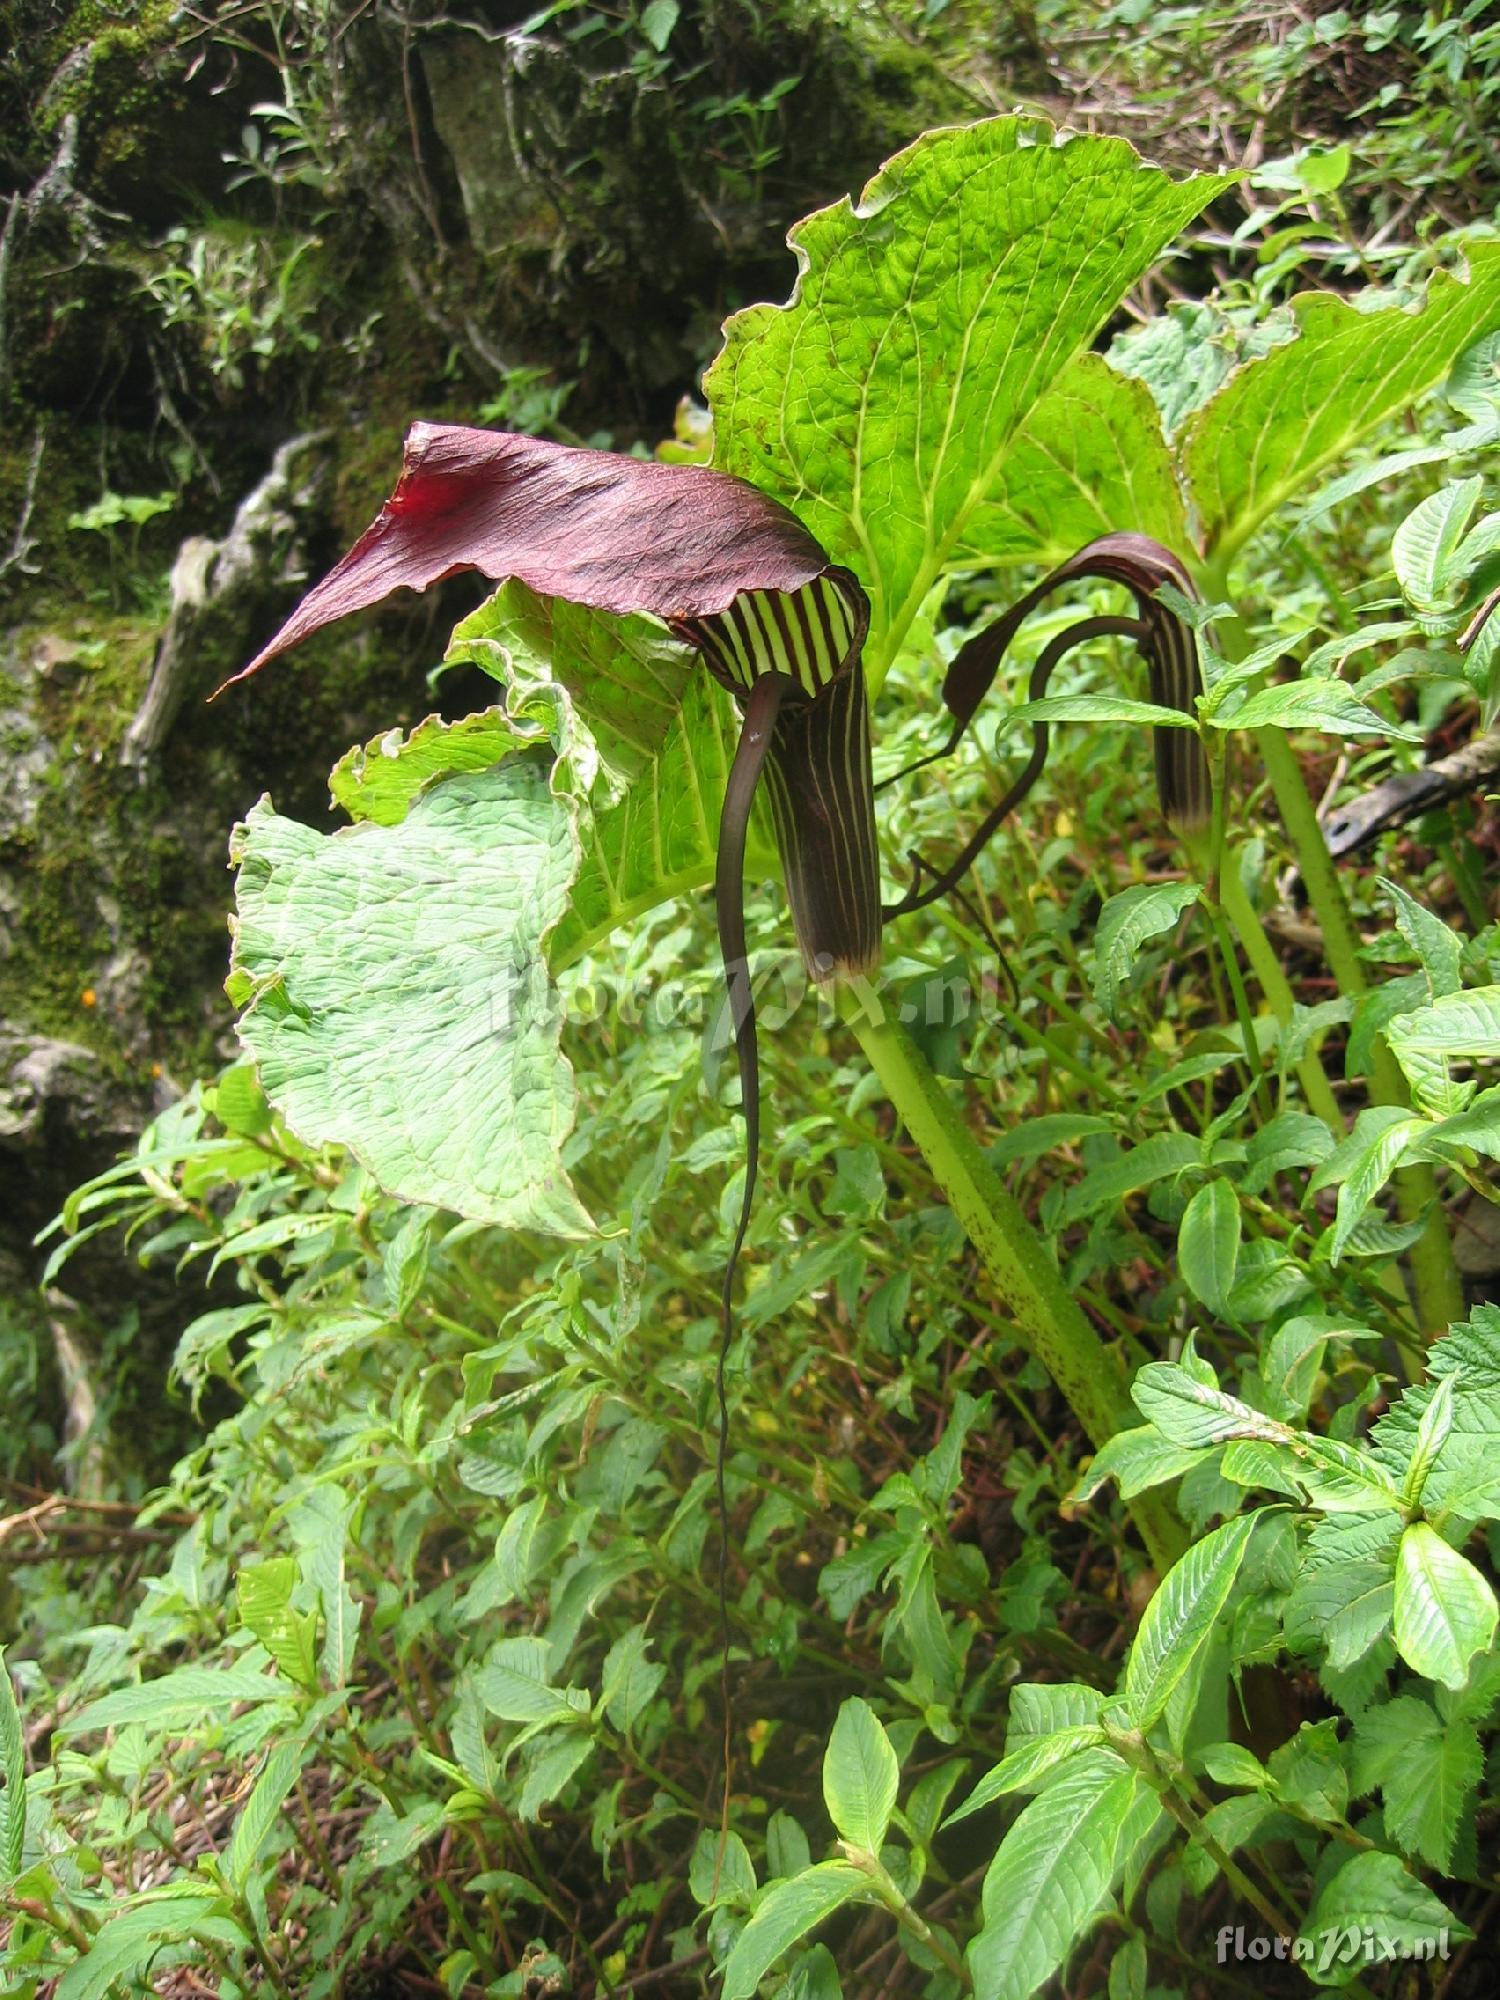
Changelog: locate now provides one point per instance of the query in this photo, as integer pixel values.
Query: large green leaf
(624, 677)
(928, 321)
(1053, 1870)
(646, 736)
(395, 996)
(1090, 458)
(1278, 421)
(662, 837)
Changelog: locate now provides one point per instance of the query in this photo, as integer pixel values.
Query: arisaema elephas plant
(927, 404)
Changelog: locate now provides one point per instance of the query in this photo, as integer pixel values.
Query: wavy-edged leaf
(380, 779)
(395, 997)
(881, 402)
(1281, 419)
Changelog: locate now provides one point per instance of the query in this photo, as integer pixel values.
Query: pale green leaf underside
(645, 736)
(1280, 420)
(397, 999)
(926, 324)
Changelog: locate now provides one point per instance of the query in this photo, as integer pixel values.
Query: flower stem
(1435, 1278)
(1047, 1317)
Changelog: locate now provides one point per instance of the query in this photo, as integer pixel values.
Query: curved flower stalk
(1170, 647)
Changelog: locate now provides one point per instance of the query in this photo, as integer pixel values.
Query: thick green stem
(1435, 1278)
(1275, 985)
(1049, 1319)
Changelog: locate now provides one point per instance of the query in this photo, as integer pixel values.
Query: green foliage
(430, 1648)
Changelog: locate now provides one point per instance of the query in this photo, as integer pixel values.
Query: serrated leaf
(260, 1812)
(1126, 922)
(13, 1766)
(554, 1760)
(1444, 1610)
(1100, 708)
(263, 1595)
(1374, 1891)
(1208, 1244)
(1280, 420)
(514, 1683)
(1423, 547)
(629, 1680)
(124, 1941)
(787, 1912)
(180, 1697)
(815, 401)
(1180, 1618)
(1368, 1173)
(1344, 1592)
(1052, 1872)
(1314, 704)
(1168, 1153)
(1036, 1136)
(1138, 1459)
(1035, 1758)
(1428, 1772)
(399, 1005)
(1459, 1025)
(1438, 947)
(1040, 1708)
